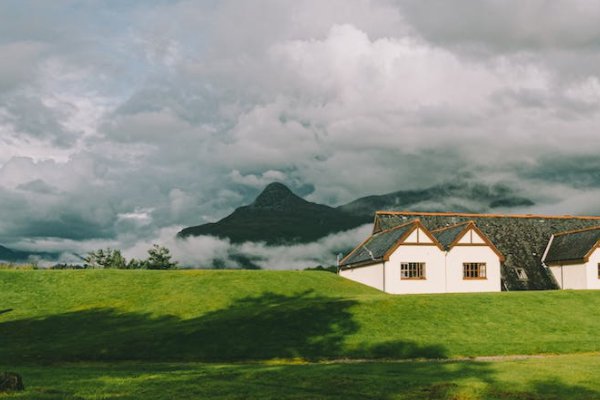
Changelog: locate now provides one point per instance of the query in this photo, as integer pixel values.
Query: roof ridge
(455, 214)
(453, 226)
(591, 228)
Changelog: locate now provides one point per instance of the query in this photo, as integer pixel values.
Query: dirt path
(514, 357)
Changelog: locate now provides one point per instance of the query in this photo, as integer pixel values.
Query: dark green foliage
(105, 258)
(331, 268)
(67, 266)
(159, 257)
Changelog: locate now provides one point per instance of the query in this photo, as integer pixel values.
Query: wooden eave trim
(417, 224)
(452, 214)
(430, 235)
(343, 260)
(398, 226)
(487, 241)
(460, 235)
(392, 249)
(593, 228)
(354, 250)
(589, 253)
(376, 224)
(574, 261)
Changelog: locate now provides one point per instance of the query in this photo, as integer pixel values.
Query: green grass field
(553, 378)
(94, 334)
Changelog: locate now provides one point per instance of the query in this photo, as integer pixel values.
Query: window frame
(416, 265)
(481, 267)
(521, 274)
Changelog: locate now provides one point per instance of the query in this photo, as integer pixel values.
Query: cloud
(135, 117)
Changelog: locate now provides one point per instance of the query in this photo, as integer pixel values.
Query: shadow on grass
(410, 381)
(253, 328)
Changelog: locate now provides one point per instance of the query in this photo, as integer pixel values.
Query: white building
(573, 258)
(408, 258)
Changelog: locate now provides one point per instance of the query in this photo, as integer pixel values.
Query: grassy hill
(96, 315)
(107, 334)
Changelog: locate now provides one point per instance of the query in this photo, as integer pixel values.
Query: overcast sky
(121, 121)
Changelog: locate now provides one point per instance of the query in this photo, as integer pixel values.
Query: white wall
(476, 254)
(434, 261)
(443, 271)
(592, 270)
(572, 276)
(371, 275)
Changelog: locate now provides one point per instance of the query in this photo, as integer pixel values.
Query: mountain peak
(275, 195)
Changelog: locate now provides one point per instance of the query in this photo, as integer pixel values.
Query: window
(474, 271)
(598, 270)
(412, 270)
(521, 274)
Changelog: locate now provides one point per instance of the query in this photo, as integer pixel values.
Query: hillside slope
(50, 316)
(10, 255)
(278, 216)
(457, 196)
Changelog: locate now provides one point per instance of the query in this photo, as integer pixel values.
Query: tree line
(159, 257)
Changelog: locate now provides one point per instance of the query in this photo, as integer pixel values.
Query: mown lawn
(555, 377)
(231, 316)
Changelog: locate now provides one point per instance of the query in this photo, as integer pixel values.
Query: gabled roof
(521, 238)
(449, 235)
(574, 246)
(378, 247)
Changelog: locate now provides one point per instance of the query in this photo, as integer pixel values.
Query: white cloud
(175, 113)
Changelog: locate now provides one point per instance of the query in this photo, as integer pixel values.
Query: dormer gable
(380, 246)
(464, 234)
(572, 247)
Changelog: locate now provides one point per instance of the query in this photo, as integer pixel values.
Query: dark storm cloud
(508, 25)
(581, 171)
(122, 121)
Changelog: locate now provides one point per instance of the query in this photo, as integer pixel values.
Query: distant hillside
(9, 255)
(278, 216)
(456, 196)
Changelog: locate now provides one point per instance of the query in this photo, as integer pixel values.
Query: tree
(159, 257)
(105, 258)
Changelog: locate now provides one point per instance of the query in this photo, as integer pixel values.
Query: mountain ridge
(279, 216)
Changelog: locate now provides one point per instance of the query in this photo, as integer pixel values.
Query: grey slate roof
(378, 244)
(521, 239)
(447, 236)
(572, 246)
